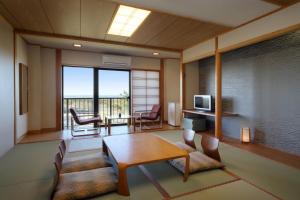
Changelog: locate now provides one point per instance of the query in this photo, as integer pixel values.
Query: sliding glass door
(78, 91)
(92, 90)
(114, 93)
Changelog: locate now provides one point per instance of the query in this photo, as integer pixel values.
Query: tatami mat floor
(27, 171)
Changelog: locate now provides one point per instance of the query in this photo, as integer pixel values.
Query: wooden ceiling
(92, 18)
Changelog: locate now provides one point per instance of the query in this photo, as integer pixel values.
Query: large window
(93, 90)
(145, 89)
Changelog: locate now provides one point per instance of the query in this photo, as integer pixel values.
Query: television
(203, 102)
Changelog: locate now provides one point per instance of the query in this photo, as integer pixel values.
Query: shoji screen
(145, 89)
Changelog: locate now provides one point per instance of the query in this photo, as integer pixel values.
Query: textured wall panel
(261, 82)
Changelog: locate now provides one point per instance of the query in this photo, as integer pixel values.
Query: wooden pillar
(161, 88)
(58, 75)
(218, 92)
(181, 84)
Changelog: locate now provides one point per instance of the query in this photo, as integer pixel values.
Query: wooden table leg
(134, 124)
(104, 148)
(122, 182)
(187, 168)
(109, 126)
(105, 120)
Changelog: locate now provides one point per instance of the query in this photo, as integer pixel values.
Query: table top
(140, 148)
(117, 117)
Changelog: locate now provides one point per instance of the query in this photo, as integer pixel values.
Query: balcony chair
(79, 120)
(148, 116)
(83, 184)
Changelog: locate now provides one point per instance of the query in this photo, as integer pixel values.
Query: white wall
(42, 88)
(171, 83)
(6, 86)
(35, 88)
(81, 58)
(259, 30)
(48, 64)
(191, 83)
(21, 57)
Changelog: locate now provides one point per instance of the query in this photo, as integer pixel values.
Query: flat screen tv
(203, 102)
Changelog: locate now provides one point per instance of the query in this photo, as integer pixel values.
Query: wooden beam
(218, 92)
(70, 37)
(181, 82)
(161, 88)
(58, 75)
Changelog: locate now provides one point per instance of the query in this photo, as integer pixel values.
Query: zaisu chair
(200, 161)
(189, 144)
(79, 120)
(149, 116)
(83, 184)
(82, 162)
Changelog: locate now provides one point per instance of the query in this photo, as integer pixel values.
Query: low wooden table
(141, 148)
(108, 120)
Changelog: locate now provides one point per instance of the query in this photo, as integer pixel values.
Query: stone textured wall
(261, 82)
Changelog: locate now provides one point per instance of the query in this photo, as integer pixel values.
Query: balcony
(107, 107)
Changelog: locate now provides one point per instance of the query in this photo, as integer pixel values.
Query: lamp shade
(245, 135)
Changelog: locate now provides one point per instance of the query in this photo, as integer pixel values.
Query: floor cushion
(85, 184)
(198, 162)
(85, 162)
(184, 146)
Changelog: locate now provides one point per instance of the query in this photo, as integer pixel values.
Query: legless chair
(189, 144)
(82, 162)
(83, 184)
(80, 121)
(210, 147)
(209, 159)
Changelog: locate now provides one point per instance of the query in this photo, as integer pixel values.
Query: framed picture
(23, 88)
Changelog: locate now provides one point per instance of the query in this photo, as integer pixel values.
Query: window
(145, 90)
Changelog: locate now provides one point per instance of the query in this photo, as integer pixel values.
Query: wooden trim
(205, 188)
(218, 92)
(142, 69)
(261, 38)
(15, 112)
(181, 78)
(162, 191)
(161, 88)
(58, 90)
(184, 87)
(62, 36)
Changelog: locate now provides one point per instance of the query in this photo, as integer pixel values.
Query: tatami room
(126, 99)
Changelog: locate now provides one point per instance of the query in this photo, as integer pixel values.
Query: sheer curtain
(145, 89)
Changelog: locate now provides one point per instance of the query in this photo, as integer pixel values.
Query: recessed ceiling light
(127, 20)
(77, 45)
(155, 53)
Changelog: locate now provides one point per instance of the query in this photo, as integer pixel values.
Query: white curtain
(145, 89)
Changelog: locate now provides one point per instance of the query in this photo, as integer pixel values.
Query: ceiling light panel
(127, 20)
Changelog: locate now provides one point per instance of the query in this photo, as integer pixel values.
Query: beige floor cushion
(184, 146)
(85, 162)
(85, 184)
(198, 162)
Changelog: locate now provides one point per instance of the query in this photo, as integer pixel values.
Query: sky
(79, 82)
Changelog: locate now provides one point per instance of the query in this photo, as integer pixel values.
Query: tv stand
(211, 114)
